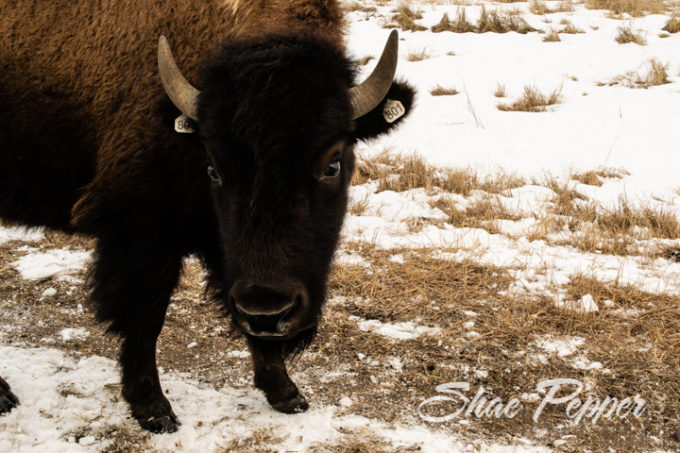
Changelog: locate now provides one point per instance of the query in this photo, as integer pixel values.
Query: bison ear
(391, 111)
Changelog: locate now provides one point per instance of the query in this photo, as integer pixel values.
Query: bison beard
(275, 119)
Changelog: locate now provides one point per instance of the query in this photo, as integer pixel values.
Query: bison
(102, 134)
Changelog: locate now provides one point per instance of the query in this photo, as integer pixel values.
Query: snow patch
(398, 331)
(57, 263)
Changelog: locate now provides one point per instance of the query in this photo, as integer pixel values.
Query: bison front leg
(8, 400)
(132, 284)
(272, 378)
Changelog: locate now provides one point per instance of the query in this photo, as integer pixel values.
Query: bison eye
(332, 171)
(214, 176)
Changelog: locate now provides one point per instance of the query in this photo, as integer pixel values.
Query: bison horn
(372, 91)
(181, 92)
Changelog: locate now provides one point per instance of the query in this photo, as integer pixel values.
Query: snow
(563, 347)
(69, 334)
(585, 304)
(397, 331)
(55, 387)
(59, 263)
(14, 233)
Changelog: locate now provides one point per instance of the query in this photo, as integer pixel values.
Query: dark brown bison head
(279, 116)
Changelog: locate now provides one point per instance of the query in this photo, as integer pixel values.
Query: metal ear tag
(184, 125)
(393, 110)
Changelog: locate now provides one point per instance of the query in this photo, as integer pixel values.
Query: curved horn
(372, 91)
(181, 92)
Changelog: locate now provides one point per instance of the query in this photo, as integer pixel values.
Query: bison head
(279, 116)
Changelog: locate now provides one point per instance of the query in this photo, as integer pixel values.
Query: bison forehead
(271, 89)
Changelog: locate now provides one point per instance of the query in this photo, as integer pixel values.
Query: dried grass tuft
(405, 18)
(552, 36)
(533, 101)
(494, 22)
(635, 8)
(627, 35)
(443, 91)
(656, 75)
(672, 25)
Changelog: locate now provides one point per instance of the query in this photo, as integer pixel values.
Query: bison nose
(267, 310)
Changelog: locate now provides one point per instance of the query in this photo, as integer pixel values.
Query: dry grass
(405, 18)
(656, 75)
(418, 55)
(627, 35)
(356, 6)
(494, 22)
(635, 8)
(500, 91)
(672, 25)
(533, 101)
(552, 36)
(589, 178)
(400, 173)
(642, 353)
(358, 207)
(365, 60)
(443, 91)
(498, 22)
(641, 350)
(569, 27)
(459, 25)
(540, 8)
(478, 214)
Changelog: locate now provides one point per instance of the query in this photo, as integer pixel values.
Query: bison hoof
(296, 404)
(160, 425)
(8, 400)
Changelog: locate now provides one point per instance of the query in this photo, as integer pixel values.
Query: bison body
(88, 145)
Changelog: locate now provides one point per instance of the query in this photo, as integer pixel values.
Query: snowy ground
(514, 307)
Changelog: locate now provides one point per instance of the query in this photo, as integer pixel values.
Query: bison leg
(272, 378)
(8, 400)
(132, 284)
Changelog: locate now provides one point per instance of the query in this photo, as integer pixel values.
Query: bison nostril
(266, 311)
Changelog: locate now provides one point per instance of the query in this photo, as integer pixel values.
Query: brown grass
(500, 91)
(418, 55)
(635, 8)
(672, 25)
(365, 60)
(405, 172)
(627, 35)
(540, 8)
(443, 91)
(355, 6)
(569, 28)
(358, 207)
(498, 22)
(656, 75)
(589, 178)
(405, 18)
(479, 214)
(494, 22)
(533, 101)
(459, 25)
(552, 36)
(641, 351)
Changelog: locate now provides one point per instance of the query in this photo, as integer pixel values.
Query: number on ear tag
(184, 125)
(393, 110)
